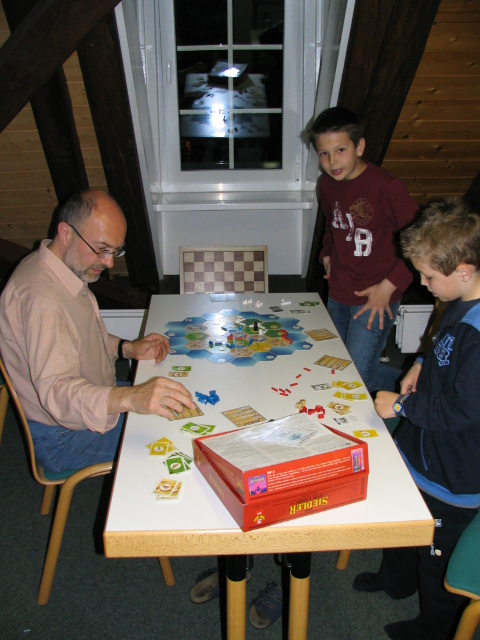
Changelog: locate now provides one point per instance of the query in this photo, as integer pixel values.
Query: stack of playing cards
(161, 447)
(178, 462)
(167, 489)
(197, 429)
(173, 459)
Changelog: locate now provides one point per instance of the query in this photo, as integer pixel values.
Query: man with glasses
(57, 350)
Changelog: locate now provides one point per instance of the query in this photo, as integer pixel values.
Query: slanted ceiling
(412, 73)
(44, 34)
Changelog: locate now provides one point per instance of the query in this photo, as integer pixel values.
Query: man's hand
(151, 347)
(378, 302)
(157, 396)
(409, 382)
(384, 401)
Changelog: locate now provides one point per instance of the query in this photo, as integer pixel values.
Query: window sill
(233, 200)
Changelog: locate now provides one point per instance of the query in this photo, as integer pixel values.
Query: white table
(197, 524)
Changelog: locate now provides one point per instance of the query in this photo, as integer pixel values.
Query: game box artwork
(284, 506)
(283, 469)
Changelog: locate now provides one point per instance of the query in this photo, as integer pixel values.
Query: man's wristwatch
(398, 405)
(120, 348)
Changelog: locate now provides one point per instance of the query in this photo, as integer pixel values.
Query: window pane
(266, 66)
(216, 85)
(258, 22)
(201, 23)
(203, 153)
(258, 143)
(193, 68)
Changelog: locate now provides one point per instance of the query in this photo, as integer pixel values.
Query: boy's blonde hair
(446, 235)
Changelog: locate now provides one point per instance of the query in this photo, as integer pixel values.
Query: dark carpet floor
(127, 599)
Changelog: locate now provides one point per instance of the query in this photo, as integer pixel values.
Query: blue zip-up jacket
(440, 437)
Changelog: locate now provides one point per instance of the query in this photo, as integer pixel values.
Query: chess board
(220, 271)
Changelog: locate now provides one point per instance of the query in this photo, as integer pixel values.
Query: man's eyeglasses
(104, 253)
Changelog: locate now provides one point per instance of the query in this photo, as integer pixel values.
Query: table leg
(299, 593)
(236, 597)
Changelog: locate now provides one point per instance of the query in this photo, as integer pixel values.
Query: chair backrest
(36, 469)
(224, 269)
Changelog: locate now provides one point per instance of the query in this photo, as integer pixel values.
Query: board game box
(295, 503)
(284, 455)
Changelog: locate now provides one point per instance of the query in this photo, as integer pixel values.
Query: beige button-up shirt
(55, 345)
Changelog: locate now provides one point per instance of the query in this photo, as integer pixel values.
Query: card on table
(187, 413)
(196, 429)
(322, 386)
(176, 464)
(350, 396)
(339, 408)
(320, 334)
(161, 447)
(347, 385)
(332, 362)
(243, 416)
(346, 419)
(167, 489)
(366, 433)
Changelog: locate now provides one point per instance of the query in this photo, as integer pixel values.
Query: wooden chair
(463, 578)
(3, 407)
(67, 482)
(224, 269)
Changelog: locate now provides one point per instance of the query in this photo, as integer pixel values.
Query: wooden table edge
(150, 544)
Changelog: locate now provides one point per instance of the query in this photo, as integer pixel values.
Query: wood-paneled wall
(435, 148)
(27, 196)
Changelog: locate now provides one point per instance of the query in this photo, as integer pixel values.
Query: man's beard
(72, 263)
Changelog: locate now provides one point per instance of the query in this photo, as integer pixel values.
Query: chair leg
(60, 519)
(47, 499)
(55, 542)
(468, 622)
(342, 559)
(167, 571)
(3, 408)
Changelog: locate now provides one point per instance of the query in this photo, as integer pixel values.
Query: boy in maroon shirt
(364, 208)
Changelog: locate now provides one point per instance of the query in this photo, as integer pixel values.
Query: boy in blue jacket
(439, 437)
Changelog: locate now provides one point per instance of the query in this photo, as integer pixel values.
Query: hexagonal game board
(240, 337)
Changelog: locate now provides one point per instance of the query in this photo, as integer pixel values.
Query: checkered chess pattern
(224, 271)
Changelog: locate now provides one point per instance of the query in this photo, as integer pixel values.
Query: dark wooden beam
(472, 197)
(385, 47)
(105, 84)
(48, 35)
(53, 113)
(370, 19)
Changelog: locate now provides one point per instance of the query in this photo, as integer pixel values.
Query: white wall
(282, 231)
(124, 323)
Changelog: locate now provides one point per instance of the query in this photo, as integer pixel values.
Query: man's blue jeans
(366, 346)
(58, 449)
